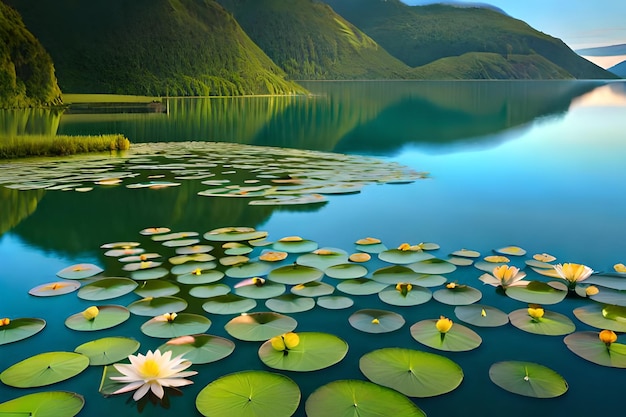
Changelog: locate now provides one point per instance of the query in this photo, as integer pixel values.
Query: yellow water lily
(591, 290)
(621, 268)
(607, 337)
(4, 321)
(404, 247)
(285, 341)
(444, 324)
(573, 273)
(498, 259)
(451, 285)
(152, 372)
(536, 312)
(91, 313)
(375, 321)
(505, 276)
(483, 313)
(404, 288)
(169, 317)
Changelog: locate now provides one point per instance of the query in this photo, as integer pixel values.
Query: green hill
(151, 47)
(26, 70)
(420, 35)
(310, 41)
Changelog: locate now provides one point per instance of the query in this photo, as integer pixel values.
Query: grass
(44, 145)
(107, 98)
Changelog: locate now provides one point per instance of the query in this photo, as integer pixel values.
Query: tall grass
(45, 145)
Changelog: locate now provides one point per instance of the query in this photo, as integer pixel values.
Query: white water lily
(152, 372)
(505, 276)
(573, 273)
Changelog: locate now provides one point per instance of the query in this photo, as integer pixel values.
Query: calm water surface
(538, 165)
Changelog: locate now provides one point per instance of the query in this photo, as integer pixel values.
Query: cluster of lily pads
(239, 272)
(265, 175)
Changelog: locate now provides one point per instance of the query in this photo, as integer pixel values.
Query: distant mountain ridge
(610, 50)
(619, 69)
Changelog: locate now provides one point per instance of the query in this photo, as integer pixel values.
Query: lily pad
(616, 283)
(194, 257)
(52, 289)
(312, 289)
(537, 292)
(295, 274)
(511, 250)
(148, 274)
(108, 316)
(361, 286)
(234, 234)
(249, 394)
(403, 257)
(411, 372)
(155, 306)
(373, 248)
(199, 348)
(481, 315)
(466, 253)
(260, 326)
(295, 246)
(79, 271)
(44, 369)
(249, 270)
(194, 250)
(182, 325)
(417, 295)
(107, 288)
(204, 277)
(44, 404)
(551, 324)
(527, 379)
(460, 295)
(610, 296)
(314, 351)
(458, 339)
(157, 288)
(154, 231)
(290, 303)
(348, 398)
(191, 267)
(433, 266)
(260, 292)
(588, 346)
(376, 321)
(335, 302)
(108, 350)
(603, 316)
(20, 329)
(323, 258)
(208, 291)
(173, 236)
(346, 271)
(394, 274)
(228, 304)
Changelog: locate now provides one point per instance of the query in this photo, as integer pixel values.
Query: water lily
(607, 337)
(169, 317)
(591, 290)
(4, 321)
(444, 324)
(621, 268)
(404, 288)
(152, 372)
(91, 313)
(404, 247)
(375, 321)
(505, 276)
(285, 342)
(573, 273)
(536, 313)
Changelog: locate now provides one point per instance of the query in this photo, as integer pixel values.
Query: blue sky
(579, 23)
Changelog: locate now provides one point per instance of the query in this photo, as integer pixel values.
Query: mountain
(420, 35)
(454, 3)
(151, 47)
(310, 41)
(619, 69)
(26, 71)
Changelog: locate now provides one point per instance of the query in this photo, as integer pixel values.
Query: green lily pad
(346, 271)
(107, 288)
(314, 351)
(418, 295)
(373, 249)
(194, 257)
(155, 306)
(259, 326)
(44, 369)
(403, 257)
(173, 236)
(79, 271)
(481, 315)
(236, 248)
(108, 350)
(411, 372)
(228, 304)
(249, 270)
(460, 295)
(290, 303)
(157, 288)
(140, 266)
(199, 348)
(458, 339)
(205, 277)
(154, 231)
(20, 329)
(297, 246)
(44, 404)
(427, 280)
(312, 289)
(295, 274)
(551, 324)
(351, 398)
(616, 283)
(610, 296)
(603, 316)
(194, 250)
(149, 274)
(459, 261)
(466, 253)
(184, 324)
(361, 286)
(234, 260)
(326, 258)
(249, 394)
(335, 302)
(52, 289)
(433, 266)
(394, 274)
(588, 346)
(537, 292)
(267, 290)
(108, 316)
(208, 291)
(124, 252)
(234, 234)
(376, 321)
(527, 379)
(190, 267)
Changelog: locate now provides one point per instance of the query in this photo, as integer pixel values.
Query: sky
(578, 23)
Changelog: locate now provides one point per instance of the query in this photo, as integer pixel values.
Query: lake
(535, 165)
